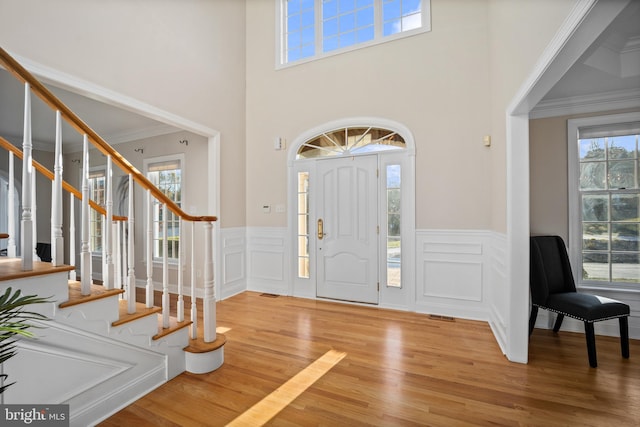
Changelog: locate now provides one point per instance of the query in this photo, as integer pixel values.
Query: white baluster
(149, 288)
(34, 217)
(85, 254)
(108, 229)
(165, 270)
(194, 308)
(209, 301)
(26, 223)
(57, 241)
(180, 307)
(118, 235)
(11, 244)
(72, 235)
(131, 306)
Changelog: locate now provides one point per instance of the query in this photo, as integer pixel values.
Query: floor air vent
(443, 318)
(269, 295)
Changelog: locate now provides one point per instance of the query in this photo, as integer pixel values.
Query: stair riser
(53, 285)
(94, 316)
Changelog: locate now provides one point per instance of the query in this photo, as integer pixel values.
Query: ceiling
(610, 67)
(114, 124)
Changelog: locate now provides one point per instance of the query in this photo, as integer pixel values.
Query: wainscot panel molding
(498, 290)
(452, 273)
(268, 260)
(95, 375)
(233, 245)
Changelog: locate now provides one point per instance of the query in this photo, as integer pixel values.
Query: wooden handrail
(48, 174)
(83, 129)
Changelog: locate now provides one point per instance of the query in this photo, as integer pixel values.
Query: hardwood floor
(400, 369)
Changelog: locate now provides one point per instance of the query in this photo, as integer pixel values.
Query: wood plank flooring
(400, 368)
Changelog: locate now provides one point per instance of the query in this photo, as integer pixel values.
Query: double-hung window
(97, 186)
(605, 200)
(166, 174)
(312, 29)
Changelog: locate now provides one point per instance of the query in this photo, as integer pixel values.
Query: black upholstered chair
(553, 288)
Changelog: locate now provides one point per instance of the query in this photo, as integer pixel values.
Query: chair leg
(591, 344)
(624, 336)
(559, 319)
(532, 318)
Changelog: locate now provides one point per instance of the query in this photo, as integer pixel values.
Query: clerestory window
(312, 29)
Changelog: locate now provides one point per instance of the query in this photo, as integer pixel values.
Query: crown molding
(608, 101)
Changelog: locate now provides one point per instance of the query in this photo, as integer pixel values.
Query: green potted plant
(15, 320)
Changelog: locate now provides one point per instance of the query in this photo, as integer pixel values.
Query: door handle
(320, 229)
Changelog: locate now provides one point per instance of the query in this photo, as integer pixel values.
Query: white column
(26, 223)
(180, 308)
(11, 243)
(85, 253)
(149, 288)
(72, 235)
(57, 241)
(194, 307)
(131, 302)
(209, 301)
(165, 270)
(107, 269)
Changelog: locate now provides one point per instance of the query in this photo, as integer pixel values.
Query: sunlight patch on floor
(280, 398)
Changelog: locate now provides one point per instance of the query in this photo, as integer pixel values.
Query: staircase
(104, 345)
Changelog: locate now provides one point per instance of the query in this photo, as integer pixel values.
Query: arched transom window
(350, 141)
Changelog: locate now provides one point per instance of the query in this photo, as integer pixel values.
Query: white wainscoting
(268, 260)
(233, 244)
(498, 288)
(452, 272)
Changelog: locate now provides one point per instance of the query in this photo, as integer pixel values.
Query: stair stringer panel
(95, 375)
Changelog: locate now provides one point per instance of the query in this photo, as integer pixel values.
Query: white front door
(347, 229)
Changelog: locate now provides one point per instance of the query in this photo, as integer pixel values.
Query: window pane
(625, 268)
(394, 243)
(592, 176)
(625, 207)
(330, 27)
(622, 147)
(411, 22)
(391, 9)
(625, 237)
(330, 9)
(595, 266)
(391, 27)
(622, 174)
(167, 176)
(592, 149)
(595, 236)
(595, 208)
(303, 224)
(410, 6)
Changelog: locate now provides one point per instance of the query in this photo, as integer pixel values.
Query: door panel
(347, 241)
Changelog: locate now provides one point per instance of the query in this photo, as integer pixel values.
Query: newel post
(85, 253)
(209, 301)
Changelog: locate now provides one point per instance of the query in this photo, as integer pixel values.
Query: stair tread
(141, 311)
(97, 292)
(11, 269)
(199, 346)
(174, 325)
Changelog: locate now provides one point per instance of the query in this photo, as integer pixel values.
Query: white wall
(435, 83)
(186, 58)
